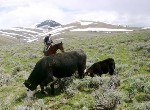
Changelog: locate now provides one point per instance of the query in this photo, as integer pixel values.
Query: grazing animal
(101, 67)
(53, 49)
(50, 68)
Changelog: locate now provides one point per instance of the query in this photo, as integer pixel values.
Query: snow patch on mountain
(102, 29)
(57, 31)
(54, 28)
(48, 24)
(146, 28)
(23, 29)
(85, 22)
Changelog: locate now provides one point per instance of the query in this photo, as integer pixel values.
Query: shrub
(21, 108)
(31, 65)
(40, 104)
(16, 69)
(64, 83)
(5, 79)
(138, 84)
(89, 82)
(121, 67)
(107, 100)
(148, 66)
(147, 87)
(70, 91)
(2, 70)
(140, 97)
(114, 82)
(142, 106)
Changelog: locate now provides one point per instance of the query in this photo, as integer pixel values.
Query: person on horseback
(47, 42)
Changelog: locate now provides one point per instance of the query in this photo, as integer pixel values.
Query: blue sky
(26, 13)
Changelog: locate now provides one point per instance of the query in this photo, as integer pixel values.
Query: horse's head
(53, 49)
(60, 46)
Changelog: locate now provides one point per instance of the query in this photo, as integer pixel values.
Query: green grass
(131, 54)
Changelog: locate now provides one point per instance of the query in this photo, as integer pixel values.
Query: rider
(47, 42)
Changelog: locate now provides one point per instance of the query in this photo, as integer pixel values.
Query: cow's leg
(52, 89)
(52, 85)
(111, 69)
(81, 71)
(42, 88)
(49, 78)
(44, 83)
(81, 68)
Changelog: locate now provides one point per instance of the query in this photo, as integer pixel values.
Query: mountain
(23, 34)
(48, 24)
(92, 26)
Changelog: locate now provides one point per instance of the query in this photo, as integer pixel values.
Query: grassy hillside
(7, 40)
(128, 89)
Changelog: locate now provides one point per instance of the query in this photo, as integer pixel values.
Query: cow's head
(89, 72)
(29, 85)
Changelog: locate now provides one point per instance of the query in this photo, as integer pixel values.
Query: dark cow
(101, 67)
(55, 66)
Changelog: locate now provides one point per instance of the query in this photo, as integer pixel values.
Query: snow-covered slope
(90, 26)
(30, 34)
(33, 34)
(22, 34)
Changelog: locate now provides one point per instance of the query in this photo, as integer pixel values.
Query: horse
(53, 49)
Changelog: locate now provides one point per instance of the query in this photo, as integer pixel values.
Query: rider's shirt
(47, 40)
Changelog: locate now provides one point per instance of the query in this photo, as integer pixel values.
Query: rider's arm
(51, 40)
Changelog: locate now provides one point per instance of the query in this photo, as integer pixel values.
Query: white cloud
(28, 12)
(97, 16)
